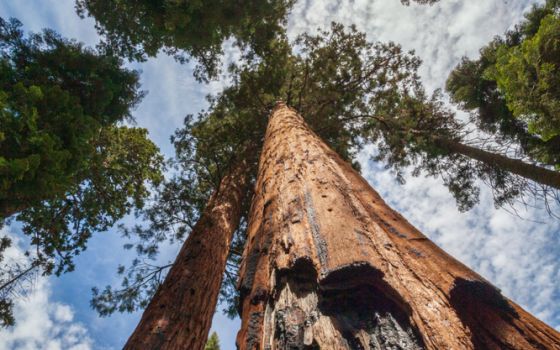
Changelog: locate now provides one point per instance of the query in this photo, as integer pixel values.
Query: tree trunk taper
(180, 313)
(328, 265)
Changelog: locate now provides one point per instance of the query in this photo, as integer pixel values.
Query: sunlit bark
(180, 313)
(328, 265)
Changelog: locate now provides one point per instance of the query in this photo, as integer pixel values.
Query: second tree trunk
(180, 313)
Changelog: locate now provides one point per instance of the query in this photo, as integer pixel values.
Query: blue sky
(520, 256)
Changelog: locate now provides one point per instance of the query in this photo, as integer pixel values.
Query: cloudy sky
(520, 256)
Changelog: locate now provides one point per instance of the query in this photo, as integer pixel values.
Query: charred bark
(328, 265)
(180, 313)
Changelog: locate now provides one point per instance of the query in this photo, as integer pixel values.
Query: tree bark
(529, 171)
(180, 313)
(328, 265)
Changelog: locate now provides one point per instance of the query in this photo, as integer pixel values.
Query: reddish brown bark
(328, 265)
(180, 313)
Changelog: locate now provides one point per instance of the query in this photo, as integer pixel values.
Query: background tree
(68, 168)
(55, 96)
(213, 342)
(414, 130)
(511, 92)
(141, 28)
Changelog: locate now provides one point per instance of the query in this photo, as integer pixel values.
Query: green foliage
(6, 313)
(67, 168)
(113, 184)
(6, 306)
(141, 28)
(213, 342)
(55, 96)
(408, 130)
(529, 77)
(511, 89)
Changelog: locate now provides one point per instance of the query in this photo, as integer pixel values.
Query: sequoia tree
(350, 90)
(215, 143)
(328, 265)
(180, 313)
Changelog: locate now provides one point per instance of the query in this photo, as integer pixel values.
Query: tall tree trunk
(529, 171)
(180, 313)
(328, 265)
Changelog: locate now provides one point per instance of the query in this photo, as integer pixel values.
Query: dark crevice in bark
(290, 322)
(369, 320)
(482, 308)
(320, 244)
(247, 281)
(302, 272)
(360, 306)
(465, 291)
(254, 331)
(369, 313)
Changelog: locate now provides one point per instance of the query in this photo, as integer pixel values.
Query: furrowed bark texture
(180, 313)
(328, 265)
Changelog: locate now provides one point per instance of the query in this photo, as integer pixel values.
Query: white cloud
(440, 34)
(63, 313)
(41, 323)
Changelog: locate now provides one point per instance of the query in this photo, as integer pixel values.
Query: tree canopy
(69, 168)
(138, 29)
(213, 342)
(511, 91)
(55, 98)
